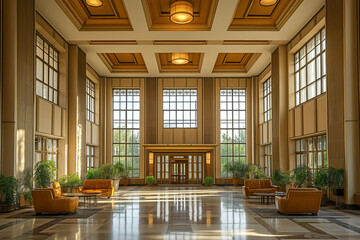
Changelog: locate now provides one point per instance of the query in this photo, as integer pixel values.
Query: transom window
(126, 128)
(232, 127)
(90, 100)
(180, 108)
(47, 70)
(90, 157)
(310, 69)
(268, 159)
(267, 100)
(46, 149)
(312, 152)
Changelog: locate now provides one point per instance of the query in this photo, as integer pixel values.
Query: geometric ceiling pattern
(227, 38)
(250, 15)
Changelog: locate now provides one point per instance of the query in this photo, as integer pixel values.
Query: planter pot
(209, 185)
(126, 181)
(4, 208)
(69, 189)
(236, 181)
(23, 202)
(116, 184)
(324, 201)
(149, 184)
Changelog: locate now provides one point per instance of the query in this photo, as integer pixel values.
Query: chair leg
(314, 214)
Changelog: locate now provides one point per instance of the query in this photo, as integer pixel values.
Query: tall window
(90, 157)
(267, 100)
(126, 128)
(180, 108)
(268, 159)
(47, 70)
(232, 127)
(312, 152)
(90, 100)
(46, 149)
(310, 69)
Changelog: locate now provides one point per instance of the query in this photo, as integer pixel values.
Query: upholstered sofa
(252, 186)
(103, 186)
(45, 201)
(299, 200)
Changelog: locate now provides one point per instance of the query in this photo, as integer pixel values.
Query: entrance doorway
(179, 172)
(179, 168)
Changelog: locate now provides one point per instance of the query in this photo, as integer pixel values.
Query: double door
(179, 172)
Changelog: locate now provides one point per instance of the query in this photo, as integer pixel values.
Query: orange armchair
(45, 201)
(299, 200)
(103, 186)
(252, 186)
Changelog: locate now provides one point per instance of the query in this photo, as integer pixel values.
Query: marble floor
(180, 213)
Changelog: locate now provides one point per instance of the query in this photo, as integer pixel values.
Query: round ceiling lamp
(179, 58)
(181, 12)
(94, 3)
(267, 3)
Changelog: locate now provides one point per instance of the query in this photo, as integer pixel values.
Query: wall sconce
(208, 157)
(151, 158)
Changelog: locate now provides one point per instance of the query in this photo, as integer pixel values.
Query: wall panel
(309, 115)
(298, 121)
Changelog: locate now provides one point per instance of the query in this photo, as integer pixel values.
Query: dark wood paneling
(150, 111)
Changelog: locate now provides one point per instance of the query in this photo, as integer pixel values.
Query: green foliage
(280, 178)
(93, 174)
(328, 178)
(303, 176)
(254, 171)
(44, 173)
(119, 169)
(70, 180)
(107, 171)
(26, 186)
(149, 179)
(8, 190)
(236, 168)
(209, 181)
(126, 172)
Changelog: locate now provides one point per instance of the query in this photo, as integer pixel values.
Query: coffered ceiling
(228, 38)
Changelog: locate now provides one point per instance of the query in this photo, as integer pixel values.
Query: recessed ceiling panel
(250, 15)
(165, 64)
(158, 15)
(110, 16)
(235, 62)
(123, 62)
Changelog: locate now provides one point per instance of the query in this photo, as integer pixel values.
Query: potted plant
(25, 188)
(253, 171)
(237, 169)
(303, 176)
(107, 171)
(149, 180)
(209, 181)
(93, 174)
(44, 173)
(125, 175)
(281, 179)
(69, 183)
(328, 178)
(8, 193)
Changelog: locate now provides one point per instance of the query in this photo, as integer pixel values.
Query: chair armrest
(276, 187)
(281, 204)
(245, 190)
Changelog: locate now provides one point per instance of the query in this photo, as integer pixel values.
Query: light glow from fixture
(181, 12)
(267, 3)
(179, 58)
(94, 3)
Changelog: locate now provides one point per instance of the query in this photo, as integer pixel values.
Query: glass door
(178, 172)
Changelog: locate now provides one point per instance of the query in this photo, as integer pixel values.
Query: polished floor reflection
(179, 213)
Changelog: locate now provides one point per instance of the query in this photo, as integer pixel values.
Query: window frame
(44, 150)
(320, 149)
(241, 122)
(90, 100)
(268, 159)
(90, 157)
(124, 158)
(319, 40)
(267, 100)
(193, 122)
(55, 89)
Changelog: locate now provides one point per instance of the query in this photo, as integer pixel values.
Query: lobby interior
(183, 95)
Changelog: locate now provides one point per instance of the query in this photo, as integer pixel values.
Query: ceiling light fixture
(94, 3)
(181, 12)
(179, 58)
(267, 3)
